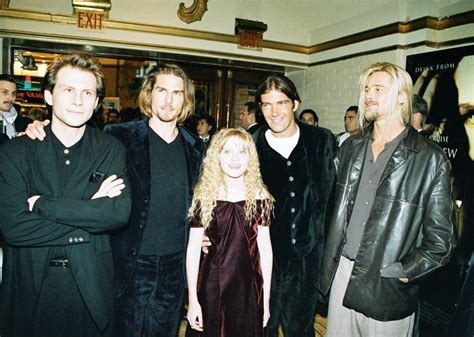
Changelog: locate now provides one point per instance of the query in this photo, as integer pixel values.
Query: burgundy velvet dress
(230, 283)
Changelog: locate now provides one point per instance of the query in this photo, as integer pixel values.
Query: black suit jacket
(126, 241)
(21, 122)
(64, 216)
(253, 128)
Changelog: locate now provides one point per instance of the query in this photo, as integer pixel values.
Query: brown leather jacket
(411, 222)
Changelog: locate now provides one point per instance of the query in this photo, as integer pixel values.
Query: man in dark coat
(296, 162)
(248, 117)
(163, 163)
(393, 221)
(59, 199)
(11, 122)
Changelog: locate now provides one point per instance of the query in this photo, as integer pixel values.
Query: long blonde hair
(211, 180)
(400, 94)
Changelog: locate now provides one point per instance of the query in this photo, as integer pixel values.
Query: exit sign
(250, 40)
(90, 20)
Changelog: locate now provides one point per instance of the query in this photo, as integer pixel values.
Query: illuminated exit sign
(90, 20)
(250, 40)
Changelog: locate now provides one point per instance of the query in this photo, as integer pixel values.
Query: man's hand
(206, 243)
(110, 187)
(35, 130)
(403, 279)
(31, 201)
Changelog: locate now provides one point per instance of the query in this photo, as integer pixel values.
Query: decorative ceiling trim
(147, 46)
(393, 28)
(431, 44)
(4, 3)
(193, 12)
(427, 22)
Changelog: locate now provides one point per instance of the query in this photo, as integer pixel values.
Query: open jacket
(411, 223)
(126, 242)
(319, 150)
(63, 216)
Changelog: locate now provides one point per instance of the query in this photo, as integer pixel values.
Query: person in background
(351, 124)
(11, 122)
(61, 198)
(98, 118)
(419, 113)
(309, 117)
(232, 206)
(393, 221)
(129, 114)
(248, 117)
(113, 116)
(38, 114)
(205, 128)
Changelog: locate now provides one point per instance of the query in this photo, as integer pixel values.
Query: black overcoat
(64, 216)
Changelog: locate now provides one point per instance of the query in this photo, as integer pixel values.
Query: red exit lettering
(250, 39)
(90, 20)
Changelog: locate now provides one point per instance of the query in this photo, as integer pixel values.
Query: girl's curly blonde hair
(211, 180)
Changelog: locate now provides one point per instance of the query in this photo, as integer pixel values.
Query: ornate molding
(456, 20)
(4, 4)
(427, 22)
(193, 12)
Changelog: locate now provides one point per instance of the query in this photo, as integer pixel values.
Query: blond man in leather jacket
(393, 220)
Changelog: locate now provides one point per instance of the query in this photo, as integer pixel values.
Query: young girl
(229, 290)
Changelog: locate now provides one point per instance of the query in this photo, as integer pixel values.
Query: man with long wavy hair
(163, 165)
(393, 221)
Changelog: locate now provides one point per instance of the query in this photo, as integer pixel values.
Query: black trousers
(293, 297)
(61, 311)
(152, 301)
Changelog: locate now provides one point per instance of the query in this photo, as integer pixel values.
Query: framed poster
(445, 79)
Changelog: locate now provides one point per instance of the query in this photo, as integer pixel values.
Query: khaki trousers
(344, 322)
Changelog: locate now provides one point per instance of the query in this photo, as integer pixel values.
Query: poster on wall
(445, 79)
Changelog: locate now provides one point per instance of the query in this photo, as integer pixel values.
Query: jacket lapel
(400, 155)
(359, 150)
(45, 168)
(85, 168)
(193, 157)
(139, 155)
